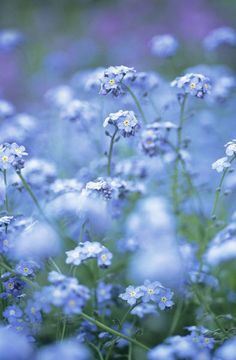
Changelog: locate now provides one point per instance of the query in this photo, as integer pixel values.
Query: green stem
(63, 329)
(119, 328)
(110, 152)
(130, 352)
(176, 317)
(6, 195)
(136, 102)
(175, 185)
(205, 304)
(30, 192)
(97, 350)
(113, 332)
(217, 193)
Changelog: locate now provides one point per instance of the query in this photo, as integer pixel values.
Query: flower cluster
(149, 292)
(89, 250)
(164, 46)
(194, 84)
(11, 156)
(154, 138)
(111, 82)
(224, 163)
(220, 36)
(125, 121)
(185, 347)
(65, 292)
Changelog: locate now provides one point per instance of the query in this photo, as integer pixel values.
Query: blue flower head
(164, 46)
(196, 85)
(125, 121)
(111, 82)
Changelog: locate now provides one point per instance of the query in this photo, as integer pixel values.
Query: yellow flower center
(18, 150)
(33, 310)
(12, 312)
(5, 158)
(150, 291)
(104, 257)
(126, 122)
(72, 303)
(132, 293)
(163, 299)
(10, 285)
(112, 82)
(192, 85)
(25, 269)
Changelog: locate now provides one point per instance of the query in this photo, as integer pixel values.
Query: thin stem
(136, 102)
(55, 265)
(97, 350)
(30, 192)
(6, 195)
(205, 304)
(176, 317)
(217, 193)
(175, 185)
(113, 332)
(110, 151)
(63, 329)
(130, 352)
(119, 328)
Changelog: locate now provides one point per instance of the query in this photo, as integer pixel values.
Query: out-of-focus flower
(68, 349)
(164, 46)
(220, 36)
(230, 148)
(223, 247)
(194, 84)
(21, 350)
(10, 39)
(221, 164)
(6, 109)
(87, 251)
(227, 350)
(39, 241)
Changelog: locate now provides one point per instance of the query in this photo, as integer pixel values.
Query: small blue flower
(103, 292)
(104, 258)
(132, 294)
(125, 121)
(150, 290)
(164, 298)
(26, 268)
(12, 312)
(196, 85)
(111, 82)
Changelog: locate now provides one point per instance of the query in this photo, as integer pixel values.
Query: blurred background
(64, 36)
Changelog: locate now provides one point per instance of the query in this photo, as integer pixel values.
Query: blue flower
(12, 312)
(221, 36)
(103, 292)
(26, 268)
(164, 46)
(221, 164)
(125, 121)
(131, 294)
(32, 311)
(150, 290)
(164, 298)
(104, 258)
(14, 346)
(111, 82)
(196, 85)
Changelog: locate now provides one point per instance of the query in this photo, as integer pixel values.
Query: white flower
(221, 164)
(231, 147)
